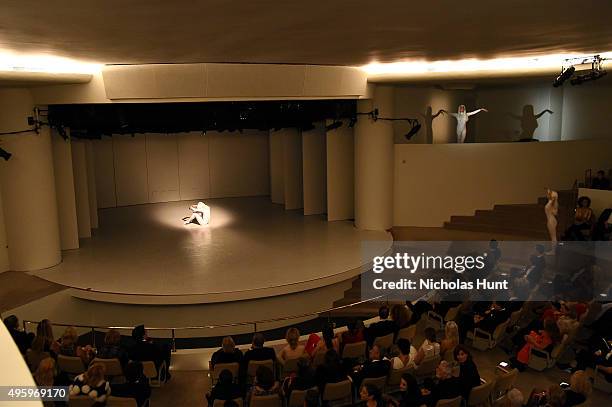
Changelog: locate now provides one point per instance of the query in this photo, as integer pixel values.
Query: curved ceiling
(339, 32)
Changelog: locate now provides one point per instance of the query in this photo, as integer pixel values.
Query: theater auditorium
(201, 203)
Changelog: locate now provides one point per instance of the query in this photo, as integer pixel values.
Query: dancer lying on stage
(201, 214)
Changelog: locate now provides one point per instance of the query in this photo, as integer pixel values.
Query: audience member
(331, 371)
(556, 397)
(264, 384)
(400, 315)
(603, 227)
(258, 352)
(302, 379)
(35, 354)
(22, 340)
(410, 392)
(228, 353)
(225, 389)
(578, 390)
(445, 386)
(544, 339)
(514, 398)
(144, 349)
(136, 384)
(468, 372)
(69, 346)
(355, 332)
(429, 348)
(112, 348)
(328, 342)
(407, 355)
(371, 396)
(312, 399)
(293, 350)
(600, 181)
(92, 383)
(44, 375)
(375, 366)
(451, 337)
(583, 220)
(486, 316)
(381, 328)
(44, 330)
(418, 309)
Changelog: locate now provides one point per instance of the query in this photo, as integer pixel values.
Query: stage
(144, 254)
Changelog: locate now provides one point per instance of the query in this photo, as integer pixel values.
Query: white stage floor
(251, 249)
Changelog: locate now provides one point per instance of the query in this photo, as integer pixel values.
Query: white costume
(462, 118)
(201, 214)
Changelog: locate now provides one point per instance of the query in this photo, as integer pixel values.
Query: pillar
(4, 256)
(64, 189)
(292, 168)
(81, 193)
(91, 184)
(28, 187)
(374, 163)
(314, 170)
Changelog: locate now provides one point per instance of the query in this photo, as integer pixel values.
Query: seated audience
(444, 386)
(225, 389)
(543, 340)
(136, 384)
(603, 228)
(418, 309)
(293, 350)
(112, 348)
(375, 366)
(410, 392)
(69, 346)
(144, 349)
(407, 355)
(556, 397)
(371, 396)
(451, 337)
(600, 181)
(303, 379)
(44, 330)
(35, 354)
(328, 342)
(354, 334)
(228, 353)
(44, 375)
(92, 383)
(331, 371)
(258, 351)
(381, 328)
(486, 316)
(22, 340)
(400, 315)
(468, 372)
(312, 399)
(578, 390)
(514, 398)
(264, 384)
(583, 220)
(429, 348)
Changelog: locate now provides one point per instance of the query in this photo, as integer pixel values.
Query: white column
(314, 170)
(340, 173)
(28, 187)
(91, 184)
(292, 164)
(374, 163)
(64, 187)
(4, 255)
(277, 183)
(81, 194)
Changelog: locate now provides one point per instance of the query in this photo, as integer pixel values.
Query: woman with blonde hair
(45, 372)
(579, 389)
(293, 350)
(92, 383)
(69, 346)
(451, 337)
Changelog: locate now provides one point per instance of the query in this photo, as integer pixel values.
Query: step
(536, 233)
(505, 222)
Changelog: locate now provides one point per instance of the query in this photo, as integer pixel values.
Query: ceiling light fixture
(16, 62)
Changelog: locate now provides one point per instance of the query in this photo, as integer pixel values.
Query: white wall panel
(293, 171)
(314, 170)
(130, 159)
(162, 167)
(104, 167)
(340, 174)
(194, 168)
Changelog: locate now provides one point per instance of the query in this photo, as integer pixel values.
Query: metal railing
(254, 324)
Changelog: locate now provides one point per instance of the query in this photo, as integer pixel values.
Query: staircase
(516, 219)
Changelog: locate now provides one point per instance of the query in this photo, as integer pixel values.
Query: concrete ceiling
(336, 32)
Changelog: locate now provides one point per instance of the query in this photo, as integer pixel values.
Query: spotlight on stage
(5, 154)
(334, 125)
(564, 76)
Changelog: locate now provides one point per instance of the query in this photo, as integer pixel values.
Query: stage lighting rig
(333, 125)
(580, 70)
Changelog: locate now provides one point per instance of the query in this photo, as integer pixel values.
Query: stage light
(334, 125)
(564, 76)
(12, 61)
(591, 76)
(5, 154)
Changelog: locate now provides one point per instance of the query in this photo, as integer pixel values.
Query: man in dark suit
(144, 349)
(381, 328)
(258, 352)
(22, 340)
(445, 386)
(374, 367)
